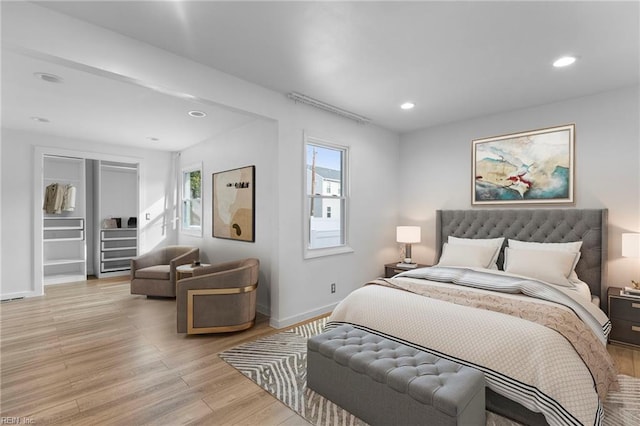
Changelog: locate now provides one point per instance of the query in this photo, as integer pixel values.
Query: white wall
(299, 288)
(18, 201)
(436, 172)
(428, 170)
(252, 144)
(292, 288)
(304, 285)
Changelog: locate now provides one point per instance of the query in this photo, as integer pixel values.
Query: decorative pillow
(496, 243)
(472, 256)
(573, 247)
(553, 267)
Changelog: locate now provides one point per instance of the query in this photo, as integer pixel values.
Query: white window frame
(194, 230)
(310, 253)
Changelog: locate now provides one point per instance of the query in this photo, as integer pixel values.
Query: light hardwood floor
(91, 353)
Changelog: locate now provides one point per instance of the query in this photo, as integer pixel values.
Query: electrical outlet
(147, 216)
(333, 287)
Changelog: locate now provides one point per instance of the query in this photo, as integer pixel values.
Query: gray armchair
(218, 298)
(154, 273)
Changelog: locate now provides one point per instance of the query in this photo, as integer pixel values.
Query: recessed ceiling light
(197, 114)
(40, 119)
(49, 78)
(564, 61)
(407, 105)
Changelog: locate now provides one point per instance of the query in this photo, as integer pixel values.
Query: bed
(541, 346)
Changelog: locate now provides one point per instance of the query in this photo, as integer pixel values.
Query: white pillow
(472, 256)
(573, 247)
(553, 267)
(496, 243)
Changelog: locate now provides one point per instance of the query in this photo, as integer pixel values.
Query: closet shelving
(64, 258)
(63, 229)
(117, 247)
(63, 234)
(69, 239)
(117, 186)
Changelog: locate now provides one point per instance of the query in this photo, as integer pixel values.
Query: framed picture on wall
(234, 204)
(532, 167)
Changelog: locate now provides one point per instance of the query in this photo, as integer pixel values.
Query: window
(192, 200)
(326, 198)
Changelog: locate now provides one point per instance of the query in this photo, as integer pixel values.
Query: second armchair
(154, 273)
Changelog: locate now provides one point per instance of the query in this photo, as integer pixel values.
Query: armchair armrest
(233, 278)
(220, 267)
(183, 259)
(151, 258)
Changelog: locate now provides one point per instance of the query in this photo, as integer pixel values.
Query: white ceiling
(104, 108)
(455, 60)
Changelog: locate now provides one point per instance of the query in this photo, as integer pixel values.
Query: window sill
(330, 251)
(193, 232)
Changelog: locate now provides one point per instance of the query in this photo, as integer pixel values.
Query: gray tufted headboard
(536, 225)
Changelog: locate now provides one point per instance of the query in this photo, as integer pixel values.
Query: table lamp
(631, 248)
(407, 235)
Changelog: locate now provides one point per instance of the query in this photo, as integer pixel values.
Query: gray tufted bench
(387, 383)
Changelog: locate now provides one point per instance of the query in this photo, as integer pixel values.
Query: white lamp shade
(408, 234)
(631, 245)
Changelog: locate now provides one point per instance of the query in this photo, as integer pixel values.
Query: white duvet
(522, 360)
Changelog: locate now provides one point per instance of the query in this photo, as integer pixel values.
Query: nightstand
(391, 269)
(624, 312)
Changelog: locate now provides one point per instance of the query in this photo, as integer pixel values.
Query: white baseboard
(286, 322)
(18, 295)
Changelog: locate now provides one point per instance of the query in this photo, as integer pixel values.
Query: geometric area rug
(278, 364)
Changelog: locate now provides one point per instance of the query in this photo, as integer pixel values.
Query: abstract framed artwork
(533, 167)
(234, 204)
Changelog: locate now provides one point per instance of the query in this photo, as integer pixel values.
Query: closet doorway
(86, 208)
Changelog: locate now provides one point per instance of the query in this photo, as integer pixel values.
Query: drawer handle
(635, 305)
(635, 328)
